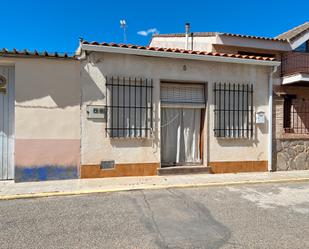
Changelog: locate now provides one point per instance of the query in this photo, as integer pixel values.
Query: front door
(180, 136)
(182, 109)
(6, 123)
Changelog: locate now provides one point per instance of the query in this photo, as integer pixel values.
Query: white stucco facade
(96, 145)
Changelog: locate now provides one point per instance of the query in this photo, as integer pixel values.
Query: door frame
(203, 125)
(10, 170)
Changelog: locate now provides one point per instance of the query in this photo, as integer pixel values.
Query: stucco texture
(47, 118)
(97, 146)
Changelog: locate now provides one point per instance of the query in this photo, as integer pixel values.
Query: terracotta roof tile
(34, 53)
(295, 32)
(176, 50)
(253, 37)
(207, 34)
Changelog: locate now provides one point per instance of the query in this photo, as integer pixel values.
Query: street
(246, 216)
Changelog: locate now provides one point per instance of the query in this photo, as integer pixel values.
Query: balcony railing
(295, 62)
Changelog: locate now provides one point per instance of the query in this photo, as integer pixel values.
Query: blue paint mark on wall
(45, 173)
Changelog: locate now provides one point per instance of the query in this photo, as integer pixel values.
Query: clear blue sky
(56, 25)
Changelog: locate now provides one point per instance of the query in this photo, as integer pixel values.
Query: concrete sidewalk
(11, 190)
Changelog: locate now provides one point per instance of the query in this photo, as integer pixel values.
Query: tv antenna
(123, 25)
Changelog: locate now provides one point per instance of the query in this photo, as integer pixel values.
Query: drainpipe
(187, 27)
(270, 113)
(81, 54)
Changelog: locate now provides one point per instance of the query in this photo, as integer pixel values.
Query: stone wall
(292, 154)
(290, 151)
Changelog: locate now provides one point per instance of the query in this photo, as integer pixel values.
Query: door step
(183, 170)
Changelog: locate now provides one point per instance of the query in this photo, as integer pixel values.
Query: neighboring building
(193, 102)
(291, 99)
(39, 116)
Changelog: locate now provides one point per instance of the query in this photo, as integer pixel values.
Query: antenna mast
(123, 25)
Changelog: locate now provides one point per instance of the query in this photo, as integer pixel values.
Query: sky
(57, 25)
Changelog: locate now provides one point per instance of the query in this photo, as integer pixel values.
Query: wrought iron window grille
(296, 115)
(233, 110)
(129, 104)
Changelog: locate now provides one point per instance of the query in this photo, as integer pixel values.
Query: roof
(35, 53)
(202, 34)
(207, 34)
(179, 51)
(294, 33)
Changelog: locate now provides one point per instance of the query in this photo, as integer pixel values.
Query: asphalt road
(251, 216)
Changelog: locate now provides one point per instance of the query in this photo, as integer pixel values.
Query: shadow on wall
(246, 142)
(130, 142)
(58, 80)
(94, 75)
(152, 141)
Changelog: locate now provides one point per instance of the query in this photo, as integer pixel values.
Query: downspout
(270, 113)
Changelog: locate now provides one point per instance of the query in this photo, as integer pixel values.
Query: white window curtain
(127, 114)
(180, 135)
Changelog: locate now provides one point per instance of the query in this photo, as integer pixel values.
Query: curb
(97, 191)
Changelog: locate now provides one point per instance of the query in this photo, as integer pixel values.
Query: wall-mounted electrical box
(260, 117)
(96, 112)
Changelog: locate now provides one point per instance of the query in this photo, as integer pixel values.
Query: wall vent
(107, 164)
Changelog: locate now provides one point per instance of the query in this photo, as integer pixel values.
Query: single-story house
(171, 107)
(193, 102)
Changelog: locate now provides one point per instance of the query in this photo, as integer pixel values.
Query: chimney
(187, 27)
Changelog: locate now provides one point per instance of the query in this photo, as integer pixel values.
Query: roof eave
(239, 41)
(187, 56)
(36, 55)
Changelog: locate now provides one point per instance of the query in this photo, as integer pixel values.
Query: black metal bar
(219, 110)
(118, 110)
(292, 111)
(247, 107)
(301, 123)
(124, 103)
(151, 107)
(215, 109)
(112, 109)
(106, 103)
(234, 110)
(141, 110)
(131, 86)
(224, 111)
(297, 128)
(130, 106)
(135, 110)
(126, 128)
(238, 107)
(146, 101)
(251, 95)
(229, 112)
(305, 117)
(242, 111)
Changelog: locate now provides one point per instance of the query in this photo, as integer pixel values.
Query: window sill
(293, 136)
(131, 138)
(233, 138)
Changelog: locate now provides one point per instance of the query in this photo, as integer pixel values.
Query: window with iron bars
(233, 110)
(129, 107)
(296, 115)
